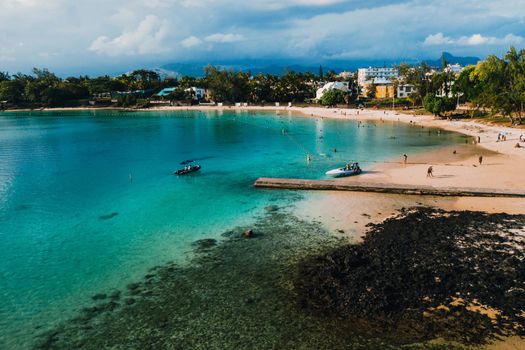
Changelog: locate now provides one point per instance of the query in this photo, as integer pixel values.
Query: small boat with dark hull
(187, 170)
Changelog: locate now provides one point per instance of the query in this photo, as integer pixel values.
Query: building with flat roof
(345, 74)
(375, 75)
(405, 90)
(198, 93)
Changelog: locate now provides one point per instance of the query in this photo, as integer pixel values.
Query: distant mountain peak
(451, 59)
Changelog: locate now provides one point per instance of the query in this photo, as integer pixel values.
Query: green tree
(332, 76)
(466, 85)
(260, 89)
(438, 105)
(4, 76)
(502, 83)
(371, 90)
(186, 82)
(145, 79)
(418, 76)
(333, 97)
(220, 84)
(11, 91)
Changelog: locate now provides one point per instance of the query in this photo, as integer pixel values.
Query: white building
(198, 93)
(404, 90)
(335, 85)
(345, 74)
(454, 68)
(375, 75)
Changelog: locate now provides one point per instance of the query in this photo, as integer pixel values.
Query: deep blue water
(88, 202)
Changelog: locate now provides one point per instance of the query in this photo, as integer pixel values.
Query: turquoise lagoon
(88, 202)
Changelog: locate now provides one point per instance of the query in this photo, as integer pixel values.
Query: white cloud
(437, 39)
(280, 4)
(191, 41)
(147, 38)
(224, 38)
(473, 40)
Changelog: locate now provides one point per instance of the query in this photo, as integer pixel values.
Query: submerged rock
(204, 244)
(108, 216)
(99, 296)
(271, 208)
(133, 286)
(115, 295)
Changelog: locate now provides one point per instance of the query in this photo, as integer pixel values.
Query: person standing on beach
(430, 172)
(479, 139)
(480, 160)
(406, 157)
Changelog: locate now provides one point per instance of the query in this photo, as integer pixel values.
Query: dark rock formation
(460, 275)
(204, 244)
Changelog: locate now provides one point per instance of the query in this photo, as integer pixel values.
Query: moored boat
(187, 170)
(348, 170)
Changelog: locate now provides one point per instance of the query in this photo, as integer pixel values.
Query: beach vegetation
(371, 91)
(500, 84)
(333, 97)
(438, 105)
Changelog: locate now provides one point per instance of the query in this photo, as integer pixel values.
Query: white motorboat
(353, 169)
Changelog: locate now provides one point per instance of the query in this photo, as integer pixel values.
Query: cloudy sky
(99, 36)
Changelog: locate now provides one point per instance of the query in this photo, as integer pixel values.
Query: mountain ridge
(279, 68)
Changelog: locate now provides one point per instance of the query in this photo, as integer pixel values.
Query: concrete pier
(338, 185)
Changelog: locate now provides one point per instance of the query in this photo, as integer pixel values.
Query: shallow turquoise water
(73, 223)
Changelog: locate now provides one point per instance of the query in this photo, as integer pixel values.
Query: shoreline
(452, 167)
(467, 127)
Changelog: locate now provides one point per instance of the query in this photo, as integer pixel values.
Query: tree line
(495, 85)
(43, 88)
